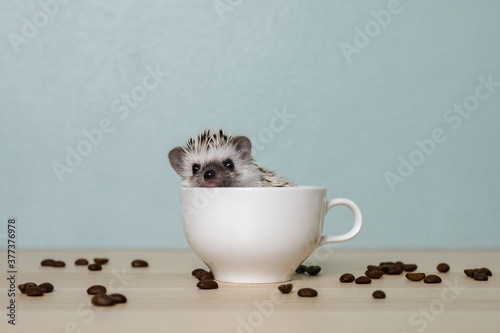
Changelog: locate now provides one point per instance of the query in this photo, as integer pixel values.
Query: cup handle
(358, 220)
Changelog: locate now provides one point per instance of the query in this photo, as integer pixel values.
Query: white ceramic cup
(258, 234)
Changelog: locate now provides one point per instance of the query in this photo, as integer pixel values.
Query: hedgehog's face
(214, 165)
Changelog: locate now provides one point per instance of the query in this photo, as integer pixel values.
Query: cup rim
(240, 189)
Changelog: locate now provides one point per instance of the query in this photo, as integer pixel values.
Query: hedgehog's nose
(209, 174)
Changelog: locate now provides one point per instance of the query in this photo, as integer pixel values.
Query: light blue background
(354, 116)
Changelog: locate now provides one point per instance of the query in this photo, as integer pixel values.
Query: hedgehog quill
(215, 159)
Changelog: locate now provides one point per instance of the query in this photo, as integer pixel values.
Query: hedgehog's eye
(196, 168)
(228, 164)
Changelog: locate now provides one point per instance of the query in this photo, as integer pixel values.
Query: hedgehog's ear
(244, 146)
(176, 157)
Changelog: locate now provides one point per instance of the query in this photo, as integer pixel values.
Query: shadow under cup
(258, 234)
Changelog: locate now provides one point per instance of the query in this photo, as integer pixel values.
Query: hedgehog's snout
(209, 174)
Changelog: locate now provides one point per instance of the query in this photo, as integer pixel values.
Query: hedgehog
(215, 159)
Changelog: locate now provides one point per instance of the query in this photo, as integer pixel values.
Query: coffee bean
(476, 271)
(102, 300)
(96, 289)
(81, 262)
(285, 288)
(200, 273)
(48, 262)
(399, 263)
(59, 263)
(347, 277)
(443, 267)
(486, 271)
(207, 284)
(415, 276)
(301, 269)
(480, 277)
(118, 298)
(472, 273)
(386, 263)
(34, 291)
(379, 294)
(395, 270)
(431, 278)
(101, 261)
(196, 271)
(205, 276)
(23, 287)
(46, 287)
(140, 263)
(372, 267)
(384, 268)
(307, 292)
(409, 267)
(374, 274)
(363, 280)
(94, 267)
(313, 270)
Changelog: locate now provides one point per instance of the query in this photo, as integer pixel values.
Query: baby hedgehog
(214, 159)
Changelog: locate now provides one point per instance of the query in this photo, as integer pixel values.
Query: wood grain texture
(163, 297)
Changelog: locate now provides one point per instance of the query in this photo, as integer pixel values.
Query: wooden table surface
(164, 296)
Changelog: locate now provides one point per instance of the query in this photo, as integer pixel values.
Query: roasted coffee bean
(118, 298)
(480, 277)
(307, 292)
(47, 262)
(415, 276)
(379, 294)
(372, 267)
(484, 271)
(140, 263)
(96, 289)
(81, 262)
(384, 268)
(475, 271)
(301, 269)
(286, 288)
(102, 300)
(196, 271)
(59, 263)
(347, 277)
(363, 280)
(386, 263)
(431, 278)
(199, 273)
(443, 267)
(101, 261)
(23, 287)
(399, 263)
(34, 291)
(313, 270)
(469, 272)
(409, 267)
(205, 276)
(207, 284)
(374, 274)
(94, 267)
(46, 287)
(395, 270)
